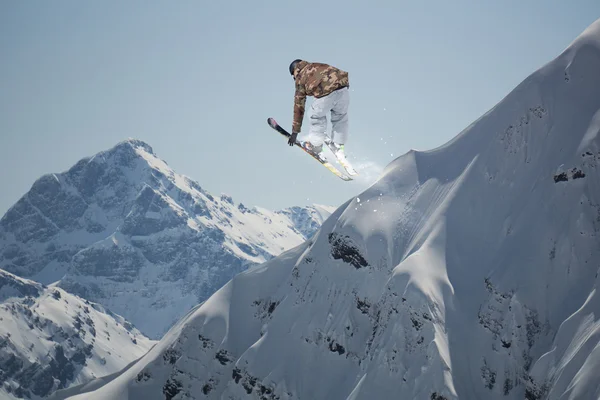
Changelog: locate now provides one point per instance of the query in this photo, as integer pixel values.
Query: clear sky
(197, 80)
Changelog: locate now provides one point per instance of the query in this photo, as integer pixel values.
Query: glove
(292, 139)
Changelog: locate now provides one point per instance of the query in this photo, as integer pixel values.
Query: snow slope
(123, 229)
(466, 272)
(50, 339)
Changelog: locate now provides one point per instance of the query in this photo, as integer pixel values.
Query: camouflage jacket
(317, 80)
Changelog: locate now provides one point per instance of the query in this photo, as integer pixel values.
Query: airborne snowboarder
(329, 86)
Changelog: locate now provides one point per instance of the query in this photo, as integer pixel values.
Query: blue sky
(198, 79)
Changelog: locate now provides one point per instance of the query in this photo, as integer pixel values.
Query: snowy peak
(137, 145)
(50, 339)
(466, 272)
(123, 229)
(124, 154)
(589, 37)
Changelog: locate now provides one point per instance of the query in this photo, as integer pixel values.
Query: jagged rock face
(124, 230)
(465, 272)
(50, 339)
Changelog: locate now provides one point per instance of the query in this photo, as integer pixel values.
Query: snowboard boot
(315, 150)
(338, 150)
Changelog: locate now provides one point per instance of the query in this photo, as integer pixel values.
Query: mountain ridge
(50, 339)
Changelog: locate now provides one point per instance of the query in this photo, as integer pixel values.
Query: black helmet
(293, 66)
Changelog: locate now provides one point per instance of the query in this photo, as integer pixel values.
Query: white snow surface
(466, 272)
(37, 320)
(123, 229)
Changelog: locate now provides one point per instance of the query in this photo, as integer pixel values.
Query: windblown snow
(466, 272)
(123, 229)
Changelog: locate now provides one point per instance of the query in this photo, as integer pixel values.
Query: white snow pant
(337, 102)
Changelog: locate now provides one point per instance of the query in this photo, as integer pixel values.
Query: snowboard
(273, 124)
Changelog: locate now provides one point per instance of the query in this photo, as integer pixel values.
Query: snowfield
(466, 272)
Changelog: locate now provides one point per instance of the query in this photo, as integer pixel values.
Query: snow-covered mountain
(50, 339)
(465, 272)
(124, 230)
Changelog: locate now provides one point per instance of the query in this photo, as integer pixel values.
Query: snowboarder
(329, 86)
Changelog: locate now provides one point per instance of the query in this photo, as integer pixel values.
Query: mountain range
(469, 271)
(124, 230)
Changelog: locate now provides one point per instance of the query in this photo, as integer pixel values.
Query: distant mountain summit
(467, 272)
(123, 229)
